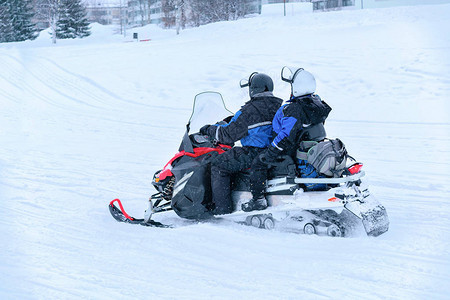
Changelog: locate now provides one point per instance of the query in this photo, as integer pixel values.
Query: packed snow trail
(87, 121)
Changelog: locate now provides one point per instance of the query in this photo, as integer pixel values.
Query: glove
(269, 155)
(204, 130)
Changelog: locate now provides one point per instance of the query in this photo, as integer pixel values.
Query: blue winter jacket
(293, 118)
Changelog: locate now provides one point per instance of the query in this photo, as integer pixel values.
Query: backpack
(306, 170)
(328, 157)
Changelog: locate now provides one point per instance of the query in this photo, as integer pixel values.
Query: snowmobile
(332, 206)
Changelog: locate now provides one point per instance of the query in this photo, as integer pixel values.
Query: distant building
(40, 21)
(141, 12)
(318, 5)
(254, 6)
(105, 12)
(325, 5)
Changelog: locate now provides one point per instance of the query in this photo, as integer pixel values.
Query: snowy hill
(86, 121)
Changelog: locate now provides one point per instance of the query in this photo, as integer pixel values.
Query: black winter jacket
(252, 124)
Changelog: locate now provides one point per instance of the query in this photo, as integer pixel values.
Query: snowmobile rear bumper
(376, 221)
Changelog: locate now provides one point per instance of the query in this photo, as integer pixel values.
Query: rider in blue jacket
(301, 119)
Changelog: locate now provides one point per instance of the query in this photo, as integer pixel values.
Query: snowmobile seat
(315, 133)
(284, 167)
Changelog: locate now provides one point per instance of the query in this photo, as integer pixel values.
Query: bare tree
(49, 10)
(152, 4)
(143, 5)
(195, 16)
(168, 8)
(207, 11)
(180, 15)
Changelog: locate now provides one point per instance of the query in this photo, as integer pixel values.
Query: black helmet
(257, 83)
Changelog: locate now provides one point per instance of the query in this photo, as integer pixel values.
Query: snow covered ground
(86, 121)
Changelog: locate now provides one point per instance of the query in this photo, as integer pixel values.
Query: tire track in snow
(31, 87)
(49, 82)
(12, 71)
(95, 86)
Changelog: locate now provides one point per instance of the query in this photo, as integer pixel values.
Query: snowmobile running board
(350, 178)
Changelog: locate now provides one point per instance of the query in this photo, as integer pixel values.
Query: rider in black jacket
(252, 125)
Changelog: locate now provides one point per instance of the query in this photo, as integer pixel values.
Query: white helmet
(302, 82)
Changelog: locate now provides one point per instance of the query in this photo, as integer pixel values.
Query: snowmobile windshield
(209, 108)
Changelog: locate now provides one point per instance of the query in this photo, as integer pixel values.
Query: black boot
(255, 204)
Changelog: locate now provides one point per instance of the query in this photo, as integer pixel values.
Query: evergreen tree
(6, 32)
(72, 21)
(16, 21)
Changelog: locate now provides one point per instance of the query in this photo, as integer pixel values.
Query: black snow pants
(258, 177)
(222, 168)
